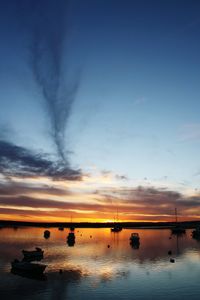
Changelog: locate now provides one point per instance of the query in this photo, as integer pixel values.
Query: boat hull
(116, 229)
(32, 254)
(196, 235)
(28, 267)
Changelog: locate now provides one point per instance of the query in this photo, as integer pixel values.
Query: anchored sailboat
(117, 227)
(177, 229)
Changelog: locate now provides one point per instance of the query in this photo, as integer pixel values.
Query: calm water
(91, 270)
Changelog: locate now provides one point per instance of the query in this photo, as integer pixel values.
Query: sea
(102, 265)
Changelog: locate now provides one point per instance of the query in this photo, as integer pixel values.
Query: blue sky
(135, 111)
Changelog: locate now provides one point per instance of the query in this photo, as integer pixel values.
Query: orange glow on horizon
(50, 219)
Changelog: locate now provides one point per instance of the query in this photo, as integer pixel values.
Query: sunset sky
(100, 110)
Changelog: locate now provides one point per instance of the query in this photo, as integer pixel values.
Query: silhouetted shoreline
(152, 225)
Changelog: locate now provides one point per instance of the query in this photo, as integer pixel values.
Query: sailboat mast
(176, 218)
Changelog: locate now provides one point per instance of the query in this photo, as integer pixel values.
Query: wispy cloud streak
(190, 132)
(46, 27)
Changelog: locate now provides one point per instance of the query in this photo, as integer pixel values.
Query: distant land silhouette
(186, 224)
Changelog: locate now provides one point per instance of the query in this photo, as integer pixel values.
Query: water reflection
(135, 245)
(71, 239)
(154, 244)
(71, 243)
(40, 277)
(91, 264)
(47, 234)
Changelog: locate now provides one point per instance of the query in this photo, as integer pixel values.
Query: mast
(176, 217)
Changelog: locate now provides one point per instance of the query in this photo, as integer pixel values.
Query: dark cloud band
(19, 161)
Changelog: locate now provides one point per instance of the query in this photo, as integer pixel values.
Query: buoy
(172, 260)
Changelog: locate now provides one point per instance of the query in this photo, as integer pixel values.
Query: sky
(99, 110)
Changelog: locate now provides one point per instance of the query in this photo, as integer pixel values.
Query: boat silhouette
(178, 228)
(36, 254)
(28, 267)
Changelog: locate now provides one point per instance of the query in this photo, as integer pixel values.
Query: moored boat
(178, 229)
(134, 238)
(33, 268)
(37, 253)
(116, 228)
(46, 234)
(71, 239)
(196, 233)
(71, 236)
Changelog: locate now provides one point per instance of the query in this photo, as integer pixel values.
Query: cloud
(134, 203)
(19, 161)
(10, 188)
(139, 203)
(31, 202)
(153, 201)
(112, 175)
(121, 177)
(140, 100)
(190, 132)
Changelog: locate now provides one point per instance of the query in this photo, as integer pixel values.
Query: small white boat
(24, 266)
(116, 228)
(134, 238)
(37, 253)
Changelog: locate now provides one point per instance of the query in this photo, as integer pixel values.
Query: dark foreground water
(91, 270)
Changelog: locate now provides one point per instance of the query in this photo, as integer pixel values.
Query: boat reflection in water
(47, 234)
(135, 240)
(71, 239)
(71, 243)
(29, 267)
(135, 245)
(40, 276)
